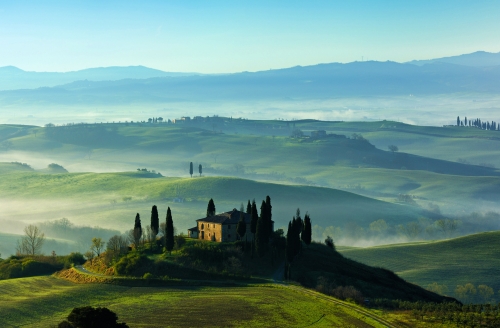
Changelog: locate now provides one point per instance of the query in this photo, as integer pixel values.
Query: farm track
(337, 302)
(297, 289)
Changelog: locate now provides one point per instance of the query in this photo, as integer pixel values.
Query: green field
(471, 259)
(45, 301)
(426, 165)
(111, 200)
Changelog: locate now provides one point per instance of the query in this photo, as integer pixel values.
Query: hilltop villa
(220, 227)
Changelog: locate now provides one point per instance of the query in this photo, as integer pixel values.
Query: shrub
(74, 259)
(134, 264)
(88, 316)
(148, 275)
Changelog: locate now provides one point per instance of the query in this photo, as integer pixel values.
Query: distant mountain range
(475, 59)
(123, 85)
(12, 78)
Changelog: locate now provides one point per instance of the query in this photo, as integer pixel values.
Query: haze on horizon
(221, 37)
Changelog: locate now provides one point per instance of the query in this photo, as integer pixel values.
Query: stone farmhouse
(221, 227)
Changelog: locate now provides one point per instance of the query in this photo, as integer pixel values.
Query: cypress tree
(155, 221)
(458, 120)
(306, 235)
(465, 121)
(200, 169)
(260, 237)
(265, 225)
(211, 208)
(253, 222)
(269, 215)
(191, 169)
(137, 230)
(169, 232)
(249, 207)
(241, 228)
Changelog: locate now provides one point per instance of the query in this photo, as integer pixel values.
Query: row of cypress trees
(155, 228)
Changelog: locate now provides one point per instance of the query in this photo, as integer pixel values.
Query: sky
(234, 36)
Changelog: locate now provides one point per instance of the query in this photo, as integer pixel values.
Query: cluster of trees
(478, 315)
(298, 231)
(150, 233)
(485, 125)
(191, 170)
(155, 120)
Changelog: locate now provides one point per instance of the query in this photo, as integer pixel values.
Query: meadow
(46, 301)
(470, 259)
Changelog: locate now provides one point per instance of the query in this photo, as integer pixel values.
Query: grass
(337, 163)
(471, 259)
(45, 301)
(98, 199)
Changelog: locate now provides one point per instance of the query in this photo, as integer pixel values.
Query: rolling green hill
(46, 301)
(111, 200)
(426, 167)
(470, 259)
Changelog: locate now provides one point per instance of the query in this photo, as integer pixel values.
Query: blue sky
(233, 36)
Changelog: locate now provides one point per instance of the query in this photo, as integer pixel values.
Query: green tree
(191, 169)
(155, 222)
(97, 246)
(137, 232)
(253, 223)
(249, 207)
(241, 228)
(306, 235)
(265, 225)
(269, 216)
(200, 169)
(87, 316)
(458, 120)
(211, 208)
(169, 229)
(260, 237)
(393, 148)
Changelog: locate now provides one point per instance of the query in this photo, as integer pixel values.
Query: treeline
(477, 315)
(484, 125)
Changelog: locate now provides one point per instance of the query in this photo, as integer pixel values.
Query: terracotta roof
(231, 217)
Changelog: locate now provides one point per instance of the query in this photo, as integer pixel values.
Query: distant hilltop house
(221, 227)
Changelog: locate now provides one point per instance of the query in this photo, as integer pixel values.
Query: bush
(74, 259)
(133, 264)
(148, 275)
(88, 316)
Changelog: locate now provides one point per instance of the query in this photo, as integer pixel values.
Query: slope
(470, 259)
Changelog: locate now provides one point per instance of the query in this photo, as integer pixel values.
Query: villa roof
(193, 229)
(231, 217)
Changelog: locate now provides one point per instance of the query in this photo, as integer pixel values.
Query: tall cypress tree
(458, 120)
(241, 228)
(260, 237)
(253, 223)
(211, 208)
(200, 169)
(263, 217)
(169, 232)
(306, 235)
(191, 169)
(155, 221)
(269, 215)
(137, 230)
(249, 207)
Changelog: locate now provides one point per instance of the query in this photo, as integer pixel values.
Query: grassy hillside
(45, 301)
(471, 259)
(261, 150)
(318, 260)
(111, 200)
